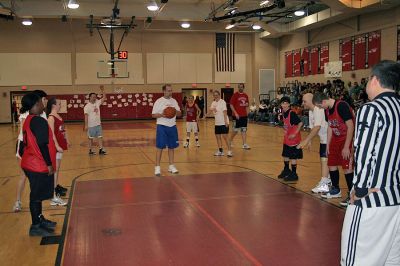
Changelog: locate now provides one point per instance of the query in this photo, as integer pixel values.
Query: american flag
(225, 52)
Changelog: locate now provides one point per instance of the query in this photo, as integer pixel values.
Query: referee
(371, 227)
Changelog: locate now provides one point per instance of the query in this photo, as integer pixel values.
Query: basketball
(169, 112)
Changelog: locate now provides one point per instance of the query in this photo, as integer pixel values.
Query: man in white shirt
(167, 133)
(319, 126)
(93, 121)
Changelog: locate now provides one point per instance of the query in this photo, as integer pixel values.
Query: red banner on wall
(289, 64)
(305, 62)
(296, 62)
(374, 48)
(117, 106)
(314, 56)
(324, 56)
(360, 54)
(346, 54)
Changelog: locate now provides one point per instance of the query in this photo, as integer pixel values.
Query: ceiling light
(229, 26)
(299, 13)
(73, 4)
(185, 25)
(256, 27)
(152, 6)
(27, 22)
(264, 2)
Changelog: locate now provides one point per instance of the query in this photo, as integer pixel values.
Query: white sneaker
(57, 201)
(322, 186)
(157, 170)
(246, 147)
(17, 206)
(186, 145)
(172, 169)
(197, 144)
(229, 154)
(219, 153)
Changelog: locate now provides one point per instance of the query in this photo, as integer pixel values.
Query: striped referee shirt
(377, 151)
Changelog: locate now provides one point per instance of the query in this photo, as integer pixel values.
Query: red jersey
(32, 159)
(59, 132)
(289, 130)
(191, 113)
(337, 124)
(240, 101)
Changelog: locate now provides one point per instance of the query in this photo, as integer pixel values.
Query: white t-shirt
(93, 112)
(317, 118)
(218, 108)
(23, 117)
(159, 107)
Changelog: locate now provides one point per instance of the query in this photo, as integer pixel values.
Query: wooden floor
(131, 154)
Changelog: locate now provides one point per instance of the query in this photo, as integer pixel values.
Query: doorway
(226, 95)
(200, 97)
(15, 103)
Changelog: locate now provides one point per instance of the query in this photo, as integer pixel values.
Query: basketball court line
(60, 250)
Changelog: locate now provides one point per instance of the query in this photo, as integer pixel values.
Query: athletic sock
(286, 165)
(349, 180)
(294, 167)
(334, 178)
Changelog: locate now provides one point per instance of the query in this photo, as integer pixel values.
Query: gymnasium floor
(216, 211)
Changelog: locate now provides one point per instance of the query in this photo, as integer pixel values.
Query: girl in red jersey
(192, 116)
(56, 124)
(38, 161)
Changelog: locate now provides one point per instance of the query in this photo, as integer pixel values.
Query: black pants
(42, 188)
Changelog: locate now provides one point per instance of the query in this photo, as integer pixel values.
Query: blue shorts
(95, 132)
(167, 137)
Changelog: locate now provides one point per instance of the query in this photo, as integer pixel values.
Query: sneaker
(229, 154)
(92, 152)
(17, 206)
(39, 230)
(291, 177)
(197, 144)
(284, 173)
(186, 144)
(345, 202)
(333, 193)
(47, 223)
(157, 170)
(172, 169)
(102, 152)
(61, 188)
(57, 201)
(59, 192)
(322, 186)
(246, 147)
(219, 153)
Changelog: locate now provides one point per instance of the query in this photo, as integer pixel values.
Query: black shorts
(41, 184)
(292, 152)
(322, 151)
(240, 123)
(221, 130)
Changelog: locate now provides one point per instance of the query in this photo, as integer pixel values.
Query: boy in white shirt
(318, 125)
(219, 109)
